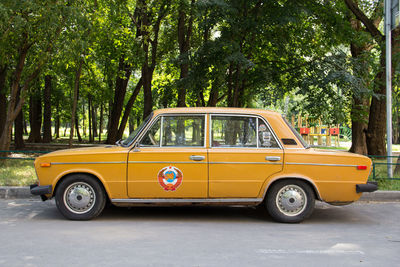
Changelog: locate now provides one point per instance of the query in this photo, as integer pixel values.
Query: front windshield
(296, 133)
(128, 141)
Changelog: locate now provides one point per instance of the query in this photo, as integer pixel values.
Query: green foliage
(291, 56)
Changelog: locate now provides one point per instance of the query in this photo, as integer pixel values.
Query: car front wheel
(290, 201)
(80, 197)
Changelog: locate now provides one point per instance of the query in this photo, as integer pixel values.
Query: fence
(379, 167)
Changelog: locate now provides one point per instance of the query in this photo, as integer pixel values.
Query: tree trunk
(147, 76)
(90, 118)
(77, 129)
(360, 105)
(119, 96)
(94, 120)
(75, 101)
(376, 132)
(396, 172)
(128, 109)
(213, 99)
(3, 97)
(13, 107)
(359, 125)
(25, 126)
(83, 117)
(184, 35)
(47, 109)
(35, 117)
(101, 122)
(150, 27)
(57, 122)
(57, 127)
(19, 127)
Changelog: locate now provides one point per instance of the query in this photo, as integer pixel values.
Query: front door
(171, 159)
(243, 154)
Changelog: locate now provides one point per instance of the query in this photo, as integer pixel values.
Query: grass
(17, 172)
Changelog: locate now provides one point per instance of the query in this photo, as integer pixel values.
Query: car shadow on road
(323, 213)
(187, 213)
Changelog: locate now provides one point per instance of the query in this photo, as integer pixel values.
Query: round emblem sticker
(170, 178)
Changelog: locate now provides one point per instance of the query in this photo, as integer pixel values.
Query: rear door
(243, 153)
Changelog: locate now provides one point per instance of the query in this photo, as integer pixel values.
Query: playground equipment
(320, 131)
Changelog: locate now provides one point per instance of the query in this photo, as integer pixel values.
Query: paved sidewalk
(13, 192)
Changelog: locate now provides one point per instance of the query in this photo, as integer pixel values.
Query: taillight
(361, 167)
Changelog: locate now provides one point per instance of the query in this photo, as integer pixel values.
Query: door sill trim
(187, 200)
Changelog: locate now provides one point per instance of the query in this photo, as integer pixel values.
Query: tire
(80, 197)
(290, 201)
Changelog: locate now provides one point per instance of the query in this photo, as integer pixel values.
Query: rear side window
(183, 131)
(241, 131)
(234, 131)
(265, 136)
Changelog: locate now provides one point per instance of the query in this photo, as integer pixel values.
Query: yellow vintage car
(207, 156)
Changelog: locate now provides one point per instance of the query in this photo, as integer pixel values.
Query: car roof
(217, 110)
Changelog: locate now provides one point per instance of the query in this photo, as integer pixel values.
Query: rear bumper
(41, 190)
(368, 187)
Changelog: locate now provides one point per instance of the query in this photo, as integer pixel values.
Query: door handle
(197, 158)
(272, 158)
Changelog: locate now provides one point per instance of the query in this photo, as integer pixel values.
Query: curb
(10, 192)
(381, 196)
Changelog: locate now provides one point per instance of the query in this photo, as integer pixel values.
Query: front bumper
(368, 187)
(41, 190)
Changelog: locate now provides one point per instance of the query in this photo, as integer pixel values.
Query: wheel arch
(304, 179)
(66, 175)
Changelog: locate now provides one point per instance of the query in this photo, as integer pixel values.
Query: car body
(210, 156)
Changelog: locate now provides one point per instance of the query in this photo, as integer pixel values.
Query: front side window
(152, 137)
(171, 131)
(233, 131)
(128, 141)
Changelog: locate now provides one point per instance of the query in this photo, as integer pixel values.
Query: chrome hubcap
(79, 197)
(291, 200)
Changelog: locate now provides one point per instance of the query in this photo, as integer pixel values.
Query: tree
(375, 136)
(33, 27)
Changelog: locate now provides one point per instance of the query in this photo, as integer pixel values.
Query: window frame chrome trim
(89, 162)
(259, 163)
(320, 164)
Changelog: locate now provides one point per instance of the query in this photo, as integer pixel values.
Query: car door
(171, 159)
(243, 153)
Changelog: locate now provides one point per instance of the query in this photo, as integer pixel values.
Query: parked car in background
(207, 156)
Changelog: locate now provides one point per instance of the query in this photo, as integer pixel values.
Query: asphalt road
(33, 233)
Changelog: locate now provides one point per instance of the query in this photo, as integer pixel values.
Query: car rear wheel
(80, 197)
(290, 201)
